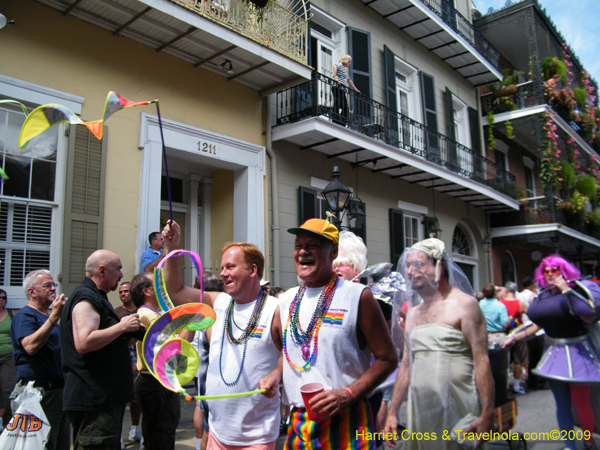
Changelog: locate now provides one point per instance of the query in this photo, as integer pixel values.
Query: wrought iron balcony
(460, 24)
(273, 26)
(523, 98)
(323, 97)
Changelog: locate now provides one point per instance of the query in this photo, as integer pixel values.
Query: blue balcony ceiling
(207, 33)
(443, 30)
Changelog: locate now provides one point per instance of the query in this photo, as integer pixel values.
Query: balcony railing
(273, 26)
(523, 98)
(322, 97)
(458, 22)
(538, 211)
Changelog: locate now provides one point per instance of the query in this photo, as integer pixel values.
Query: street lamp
(357, 216)
(487, 243)
(435, 230)
(337, 195)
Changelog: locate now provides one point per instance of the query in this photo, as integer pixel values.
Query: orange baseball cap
(320, 227)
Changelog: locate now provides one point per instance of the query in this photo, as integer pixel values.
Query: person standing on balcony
(340, 100)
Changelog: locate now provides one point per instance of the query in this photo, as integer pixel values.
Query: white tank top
(243, 420)
(339, 361)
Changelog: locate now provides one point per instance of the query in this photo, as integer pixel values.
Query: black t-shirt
(101, 378)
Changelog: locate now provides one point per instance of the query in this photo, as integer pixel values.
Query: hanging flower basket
(506, 91)
(258, 3)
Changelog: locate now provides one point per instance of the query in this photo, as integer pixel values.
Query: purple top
(551, 312)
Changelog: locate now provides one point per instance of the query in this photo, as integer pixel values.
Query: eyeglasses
(551, 270)
(2, 297)
(47, 286)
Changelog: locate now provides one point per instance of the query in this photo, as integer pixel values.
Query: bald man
(96, 362)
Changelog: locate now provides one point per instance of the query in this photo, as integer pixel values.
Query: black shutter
(308, 204)
(452, 156)
(391, 119)
(475, 131)
(396, 235)
(430, 114)
(360, 68)
(475, 128)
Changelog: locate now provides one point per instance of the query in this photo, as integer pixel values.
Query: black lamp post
(487, 248)
(337, 195)
(435, 230)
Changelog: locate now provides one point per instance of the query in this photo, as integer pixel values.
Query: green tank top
(5, 342)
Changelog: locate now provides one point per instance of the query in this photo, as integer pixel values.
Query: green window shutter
(396, 235)
(452, 157)
(84, 203)
(360, 69)
(391, 122)
(308, 204)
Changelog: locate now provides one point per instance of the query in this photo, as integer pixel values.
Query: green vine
(491, 140)
(509, 129)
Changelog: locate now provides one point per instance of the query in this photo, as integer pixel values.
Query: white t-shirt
(243, 420)
(339, 360)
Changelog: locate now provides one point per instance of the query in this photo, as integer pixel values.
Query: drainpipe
(274, 196)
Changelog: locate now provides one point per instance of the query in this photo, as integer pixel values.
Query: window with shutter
(359, 44)
(391, 122)
(308, 204)
(28, 200)
(475, 130)
(84, 206)
(430, 114)
(452, 157)
(397, 237)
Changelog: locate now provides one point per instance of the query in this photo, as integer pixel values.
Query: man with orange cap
(332, 326)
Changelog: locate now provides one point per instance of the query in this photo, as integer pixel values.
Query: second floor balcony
(262, 48)
(370, 134)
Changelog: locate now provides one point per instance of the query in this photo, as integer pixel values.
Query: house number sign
(207, 147)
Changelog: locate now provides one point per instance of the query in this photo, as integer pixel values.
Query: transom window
(461, 243)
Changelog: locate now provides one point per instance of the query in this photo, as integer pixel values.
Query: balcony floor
(336, 141)
(185, 34)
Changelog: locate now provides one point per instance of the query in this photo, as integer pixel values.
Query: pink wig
(567, 270)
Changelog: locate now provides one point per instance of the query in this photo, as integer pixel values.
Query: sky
(577, 20)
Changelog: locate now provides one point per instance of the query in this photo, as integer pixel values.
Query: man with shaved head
(96, 363)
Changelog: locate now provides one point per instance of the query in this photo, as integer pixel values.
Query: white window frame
(461, 121)
(35, 95)
(337, 42)
(410, 87)
(503, 148)
(413, 211)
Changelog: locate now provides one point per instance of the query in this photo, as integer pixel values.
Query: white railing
(272, 26)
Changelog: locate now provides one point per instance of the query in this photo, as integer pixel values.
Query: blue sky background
(577, 20)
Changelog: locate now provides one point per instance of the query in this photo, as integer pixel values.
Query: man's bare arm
(87, 336)
(372, 325)
(174, 282)
(474, 329)
(32, 343)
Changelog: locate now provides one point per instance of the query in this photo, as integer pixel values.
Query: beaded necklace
(243, 339)
(303, 338)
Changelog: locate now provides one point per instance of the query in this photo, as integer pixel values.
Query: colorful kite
(43, 117)
(172, 361)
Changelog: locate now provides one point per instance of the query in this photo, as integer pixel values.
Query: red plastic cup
(309, 391)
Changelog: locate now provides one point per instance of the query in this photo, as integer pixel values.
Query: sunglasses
(551, 270)
(46, 286)
(2, 297)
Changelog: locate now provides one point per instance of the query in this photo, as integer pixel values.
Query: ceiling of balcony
(339, 142)
(180, 32)
(426, 27)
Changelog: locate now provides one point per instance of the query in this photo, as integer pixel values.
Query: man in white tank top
(245, 345)
(331, 328)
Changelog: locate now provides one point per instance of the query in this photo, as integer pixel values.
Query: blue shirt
(495, 314)
(45, 365)
(149, 256)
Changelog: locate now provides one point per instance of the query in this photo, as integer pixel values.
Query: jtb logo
(23, 421)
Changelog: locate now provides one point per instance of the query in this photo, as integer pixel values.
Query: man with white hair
(446, 360)
(96, 362)
(36, 349)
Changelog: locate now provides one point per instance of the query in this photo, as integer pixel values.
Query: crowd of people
(368, 348)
